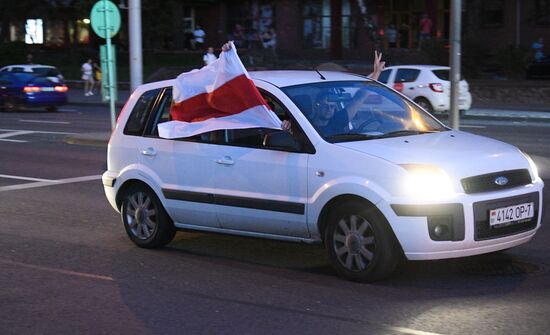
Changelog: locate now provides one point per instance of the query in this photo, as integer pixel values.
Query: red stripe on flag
(233, 97)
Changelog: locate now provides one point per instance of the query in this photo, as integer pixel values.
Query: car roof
(279, 78)
(420, 67)
(28, 66)
(283, 78)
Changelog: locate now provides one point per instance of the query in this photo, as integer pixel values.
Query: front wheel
(145, 219)
(360, 243)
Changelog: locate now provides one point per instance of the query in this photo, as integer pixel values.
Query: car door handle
(149, 152)
(225, 161)
(411, 88)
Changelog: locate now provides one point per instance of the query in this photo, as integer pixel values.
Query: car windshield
(359, 110)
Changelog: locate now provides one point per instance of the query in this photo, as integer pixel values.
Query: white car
(48, 71)
(427, 85)
(392, 181)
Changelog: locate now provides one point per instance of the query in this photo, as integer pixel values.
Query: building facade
(309, 29)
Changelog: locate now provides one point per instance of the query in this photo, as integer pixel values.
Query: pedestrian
(391, 35)
(88, 77)
(404, 36)
(425, 27)
(538, 48)
(269, 39)
(239, 36)
(97, 76)
(199, 36)
(209, 56)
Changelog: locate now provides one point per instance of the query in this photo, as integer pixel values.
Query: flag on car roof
(220, 95)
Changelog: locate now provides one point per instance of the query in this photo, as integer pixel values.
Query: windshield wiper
(404, 132)
(350, 137)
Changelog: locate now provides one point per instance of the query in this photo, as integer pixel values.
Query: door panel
(263, 191)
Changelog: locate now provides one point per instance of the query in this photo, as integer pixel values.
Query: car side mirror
(281, 139)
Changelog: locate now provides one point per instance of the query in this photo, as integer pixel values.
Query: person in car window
(327, 118)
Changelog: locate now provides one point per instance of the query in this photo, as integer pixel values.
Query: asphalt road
(67, 267)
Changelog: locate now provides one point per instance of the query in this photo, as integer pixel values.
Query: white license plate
(505, 215)
(47, 89)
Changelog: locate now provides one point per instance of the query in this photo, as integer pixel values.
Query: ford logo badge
(501, 181)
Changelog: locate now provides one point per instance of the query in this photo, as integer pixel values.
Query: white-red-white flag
(220, 95)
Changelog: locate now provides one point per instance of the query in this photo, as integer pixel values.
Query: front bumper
(469, 232)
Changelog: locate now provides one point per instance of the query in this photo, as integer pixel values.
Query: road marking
(15, 133)
(49, 183)
(412, 331)
(7, 176)
(466, 126)
(8, 140)
(38, 131)
(55, 270)
(42, 121)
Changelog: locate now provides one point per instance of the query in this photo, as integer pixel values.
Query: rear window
(138, 118)
(444, 74)
(46, 71)
(406, 75)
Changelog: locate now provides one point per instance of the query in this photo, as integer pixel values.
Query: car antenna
(320, 74)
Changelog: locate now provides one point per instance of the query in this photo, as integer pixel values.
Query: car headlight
(532, 164)
(427, 181)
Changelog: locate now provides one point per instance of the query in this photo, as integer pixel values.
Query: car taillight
(31, 89)
(437, 87)
(61, 89)
(398, 87)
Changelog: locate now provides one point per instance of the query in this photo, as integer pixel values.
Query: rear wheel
(51, 109)
(360, 243)
(145, 219)
(11, 105)
(424, 103)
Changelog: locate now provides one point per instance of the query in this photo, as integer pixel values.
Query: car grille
(483, 231)
(486, 182)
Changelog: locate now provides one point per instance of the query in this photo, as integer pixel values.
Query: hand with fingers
(378, 65)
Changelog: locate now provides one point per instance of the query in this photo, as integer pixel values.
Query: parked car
(26, 89)
(394, 182)
(538, 69)
(427, 85)
(51, 72)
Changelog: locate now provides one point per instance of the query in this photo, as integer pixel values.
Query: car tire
(360, 243)
(424, 103)
(11, 105)
(145, 219)
(51, 109)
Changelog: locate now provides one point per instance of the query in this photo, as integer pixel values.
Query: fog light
(440, 228)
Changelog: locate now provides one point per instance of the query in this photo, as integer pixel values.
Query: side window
(138, 117)
(162, 114)
(384, 76)
(254, 137)
(406, 75)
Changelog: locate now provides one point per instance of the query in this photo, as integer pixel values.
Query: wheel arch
(322, 221)
(126, 185)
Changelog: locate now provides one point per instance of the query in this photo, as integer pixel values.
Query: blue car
(21, 89)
